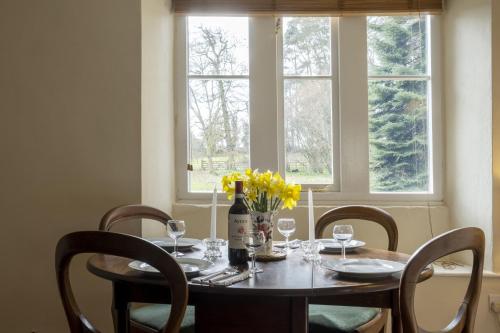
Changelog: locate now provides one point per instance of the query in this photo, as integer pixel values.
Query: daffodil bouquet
(264, 191)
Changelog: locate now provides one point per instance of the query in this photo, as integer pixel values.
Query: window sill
(461, 271)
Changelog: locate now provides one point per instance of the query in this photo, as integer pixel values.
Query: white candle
(213, 219)
(311, 215)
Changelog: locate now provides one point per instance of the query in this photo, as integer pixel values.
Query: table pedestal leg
(250, 314)
(300, 315)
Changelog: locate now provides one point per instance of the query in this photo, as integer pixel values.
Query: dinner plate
(190, 266)
(332, 245)
(363, 268)
(168, 243)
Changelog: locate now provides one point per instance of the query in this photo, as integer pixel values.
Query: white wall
(467, 89)
(158, 179)
(69, 145)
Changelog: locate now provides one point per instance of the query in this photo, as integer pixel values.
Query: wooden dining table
(273, 301)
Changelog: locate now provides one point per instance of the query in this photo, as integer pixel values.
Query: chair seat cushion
(155, 316)
(338, 319)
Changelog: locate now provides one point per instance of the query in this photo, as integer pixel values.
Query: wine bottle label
(238, 226)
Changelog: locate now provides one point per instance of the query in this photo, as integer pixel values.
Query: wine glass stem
(253, 262)
(286, 243)
(175, 247)
(343, 249)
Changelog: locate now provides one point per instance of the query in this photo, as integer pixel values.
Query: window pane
(218, 130)
(308, 131)
(399, 142)
(306, 46)
(218, 45)
(397, 45)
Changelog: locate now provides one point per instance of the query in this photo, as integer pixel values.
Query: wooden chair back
(453, 241)
(356, 212)
(128, 212)
(122, 245)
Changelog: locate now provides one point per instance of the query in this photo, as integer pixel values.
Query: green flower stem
(276, 204)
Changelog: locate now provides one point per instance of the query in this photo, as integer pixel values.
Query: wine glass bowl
(343, 233)
(175, 230)
(286, 227)
(254, 240)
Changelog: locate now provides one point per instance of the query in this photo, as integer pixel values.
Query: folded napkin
(222, 278)
(207, 278)
(233, 279)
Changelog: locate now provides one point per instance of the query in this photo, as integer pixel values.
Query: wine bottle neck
(238, 198)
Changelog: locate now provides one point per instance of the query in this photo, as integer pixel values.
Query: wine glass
(343, 233)
(286, 227)
(253, 240)
(176, 229)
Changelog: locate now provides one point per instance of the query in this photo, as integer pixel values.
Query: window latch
(190, 167)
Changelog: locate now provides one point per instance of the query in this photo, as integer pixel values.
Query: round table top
(290, 277)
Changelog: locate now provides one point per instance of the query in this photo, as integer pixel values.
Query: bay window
(349, 106)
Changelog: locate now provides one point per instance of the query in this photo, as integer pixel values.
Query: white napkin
(204, 278)
(233, 279)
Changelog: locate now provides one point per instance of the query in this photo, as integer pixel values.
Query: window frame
(349, 105)
(335, 128)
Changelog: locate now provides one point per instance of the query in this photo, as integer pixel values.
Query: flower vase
(263, 221)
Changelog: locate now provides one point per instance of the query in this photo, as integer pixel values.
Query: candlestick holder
(213, 247)
(311, 250)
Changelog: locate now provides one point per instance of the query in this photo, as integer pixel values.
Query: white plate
(332, 245)
(191, 266)
(370, 268)
(167, 242)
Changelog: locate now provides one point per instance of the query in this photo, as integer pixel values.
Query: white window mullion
(263, 101)
(336, 126)
(280, 86)
(181, 107)
(354, 152)
(435, 124)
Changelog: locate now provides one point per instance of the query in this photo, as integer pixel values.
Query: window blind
(307, 7)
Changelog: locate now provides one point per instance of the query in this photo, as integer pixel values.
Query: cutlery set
(225, 277)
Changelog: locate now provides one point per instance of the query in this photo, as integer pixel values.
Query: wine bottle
(239, 222)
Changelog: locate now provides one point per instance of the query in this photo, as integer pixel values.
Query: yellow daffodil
(263, 191)
(228, 184)
(276, 186)
(290, 195)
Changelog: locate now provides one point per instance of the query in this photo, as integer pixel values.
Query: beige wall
(495, 38)
(69, 142)
(158, 179)
(413, 223)
(70, 138)
(437, 301)
(467, 92)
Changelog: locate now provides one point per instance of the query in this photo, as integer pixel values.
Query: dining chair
(128, 212)
(122, 245)
(343, 319)
(471, 239)
(148, 318)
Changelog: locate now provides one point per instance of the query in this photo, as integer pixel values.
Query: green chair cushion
(155, 316)
(338, 319)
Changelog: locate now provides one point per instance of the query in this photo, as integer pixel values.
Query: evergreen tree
(398, 108)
